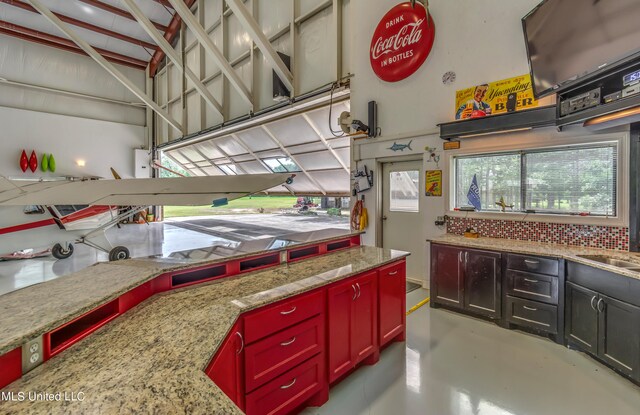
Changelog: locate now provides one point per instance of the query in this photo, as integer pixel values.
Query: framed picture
(433, 183)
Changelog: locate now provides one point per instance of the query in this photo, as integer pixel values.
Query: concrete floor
(164, 239)
(454, 365)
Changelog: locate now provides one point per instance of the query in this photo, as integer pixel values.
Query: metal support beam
(248, 150)
(89, 50)
(253, 28)
(315, 129)
(192, 23)
(118, 12)
(172, 54)
(71, 93)
(336, 18)
(79, 23)
(169, 35)
(46, 39)
(292, 157)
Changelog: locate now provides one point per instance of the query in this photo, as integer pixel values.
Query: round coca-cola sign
(401, 42)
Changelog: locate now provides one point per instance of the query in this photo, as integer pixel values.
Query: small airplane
(57, 212)
(503, 204)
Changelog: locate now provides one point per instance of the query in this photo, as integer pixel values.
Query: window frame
(277, 159)
(523, 175)
(543, 141)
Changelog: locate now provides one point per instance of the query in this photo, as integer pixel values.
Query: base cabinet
(226, 369)
(468, 279)
(392, 301)
(604, 327)
(283, 356)
(352, 319)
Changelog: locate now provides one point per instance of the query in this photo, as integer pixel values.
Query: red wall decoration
(401, 42)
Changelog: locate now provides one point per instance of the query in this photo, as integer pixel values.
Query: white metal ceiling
(322, 158)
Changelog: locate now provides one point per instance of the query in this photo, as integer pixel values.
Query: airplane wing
(178, 191)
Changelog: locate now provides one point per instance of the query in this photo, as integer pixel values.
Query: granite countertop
(152, 358)
(34, 310)
(550, 250)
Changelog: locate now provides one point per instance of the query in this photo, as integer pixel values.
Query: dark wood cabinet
(447, 271)
(619, 335)
(468, 279)
(605, 327)
(582, 317)
(482, 282)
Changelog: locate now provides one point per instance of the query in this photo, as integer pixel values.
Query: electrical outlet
(441, 220)
(32, 354)
(283, 257)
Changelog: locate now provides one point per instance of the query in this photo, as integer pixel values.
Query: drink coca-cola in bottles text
(401, 42)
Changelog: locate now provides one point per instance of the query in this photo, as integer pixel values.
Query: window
(282, 165)
(228, 169)
(403, 191)
(570, 180)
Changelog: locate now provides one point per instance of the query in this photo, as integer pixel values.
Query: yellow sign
(433, 183)
(511, 94)
(451, 145)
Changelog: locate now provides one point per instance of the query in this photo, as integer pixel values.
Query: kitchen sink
(613, 261)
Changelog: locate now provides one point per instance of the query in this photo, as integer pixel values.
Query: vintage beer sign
(401, 42)
(507, 95)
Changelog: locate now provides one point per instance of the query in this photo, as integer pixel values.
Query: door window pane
(403, 191)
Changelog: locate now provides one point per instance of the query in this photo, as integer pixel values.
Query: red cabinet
(392, 302)
(353, 322)
(226, 368)
(282, 351)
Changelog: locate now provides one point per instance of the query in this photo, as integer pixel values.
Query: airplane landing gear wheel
(118, 253)
(59, 252)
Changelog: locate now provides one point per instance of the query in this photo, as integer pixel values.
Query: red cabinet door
(340, 300)
(392, 299)
(226, 367)
(447, 275)
(364, 326)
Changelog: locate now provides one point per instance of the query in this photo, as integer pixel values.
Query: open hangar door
(303, 142)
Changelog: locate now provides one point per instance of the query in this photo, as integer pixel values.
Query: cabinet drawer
(280, 316)
(397, 270)
(532, 286)
(535, 264)
(532, 314)
(287, 392)
(274, 355)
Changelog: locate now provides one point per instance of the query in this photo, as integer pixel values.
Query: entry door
(402, 222)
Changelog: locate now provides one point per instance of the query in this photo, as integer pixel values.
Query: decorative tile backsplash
(607, 237)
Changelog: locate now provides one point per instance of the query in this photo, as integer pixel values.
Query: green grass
(249, 204)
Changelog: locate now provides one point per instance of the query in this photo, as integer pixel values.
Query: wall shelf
(500, 123)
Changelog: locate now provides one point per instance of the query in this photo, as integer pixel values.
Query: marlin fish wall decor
(400, 147)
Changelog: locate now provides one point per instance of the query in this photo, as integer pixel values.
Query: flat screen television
(569, 41)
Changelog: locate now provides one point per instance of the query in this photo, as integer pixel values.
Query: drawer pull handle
(393, 273)
(592, 305)
(241, 343)
(528, 261)
(288, 343)
(359, 292)
(284, 313)
(528, 280)
(600, 301)
(289, 385)
(355, 294)
(529, 308)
